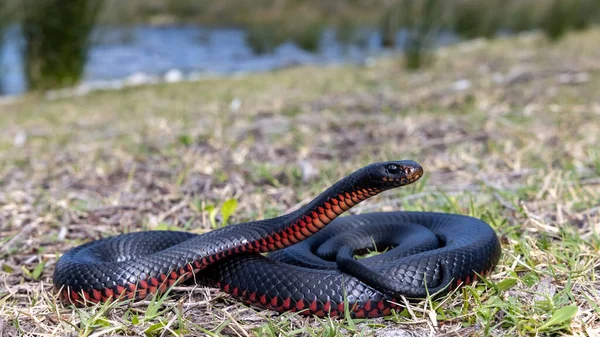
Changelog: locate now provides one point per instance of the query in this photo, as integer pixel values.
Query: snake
(318, 262)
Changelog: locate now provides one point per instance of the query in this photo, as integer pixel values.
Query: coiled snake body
(313, 271)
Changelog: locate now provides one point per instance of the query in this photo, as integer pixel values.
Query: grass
(506, 131)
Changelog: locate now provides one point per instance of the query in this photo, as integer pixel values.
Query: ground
(507, 130)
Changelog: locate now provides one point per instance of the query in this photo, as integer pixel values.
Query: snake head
(392, 174)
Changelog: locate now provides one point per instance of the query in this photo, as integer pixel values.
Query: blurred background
(49, 44)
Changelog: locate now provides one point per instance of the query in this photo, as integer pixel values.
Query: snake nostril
(411, 171)
(417, 172)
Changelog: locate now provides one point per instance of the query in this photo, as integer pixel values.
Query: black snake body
(313, 270)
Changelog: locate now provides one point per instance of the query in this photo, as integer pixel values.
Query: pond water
(146, 54)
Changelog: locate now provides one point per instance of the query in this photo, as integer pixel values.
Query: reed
(423, 20)
(472, 18)
(307, 37)
(520, 16)
(277, 25)
(561, 16)
(586, 14)
(390, 25)
(264, 38)
(57, 39)
(7, 17)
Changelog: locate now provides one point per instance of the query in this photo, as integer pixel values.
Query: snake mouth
(402, 181)
(401, 173)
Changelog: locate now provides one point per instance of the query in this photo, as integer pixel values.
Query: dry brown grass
(506, 130)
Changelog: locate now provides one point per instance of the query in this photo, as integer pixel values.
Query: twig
(24, 232)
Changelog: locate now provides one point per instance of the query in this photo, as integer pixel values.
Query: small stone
(544, 290)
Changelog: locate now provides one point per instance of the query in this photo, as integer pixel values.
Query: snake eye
(393, 169)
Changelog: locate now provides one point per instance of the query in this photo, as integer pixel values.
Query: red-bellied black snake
(314, 270)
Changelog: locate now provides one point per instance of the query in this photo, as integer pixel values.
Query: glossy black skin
(459, 247)
(440, 250)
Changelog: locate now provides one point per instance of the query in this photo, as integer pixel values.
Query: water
(146, 54)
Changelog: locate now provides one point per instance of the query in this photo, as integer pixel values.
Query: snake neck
(308, 220)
